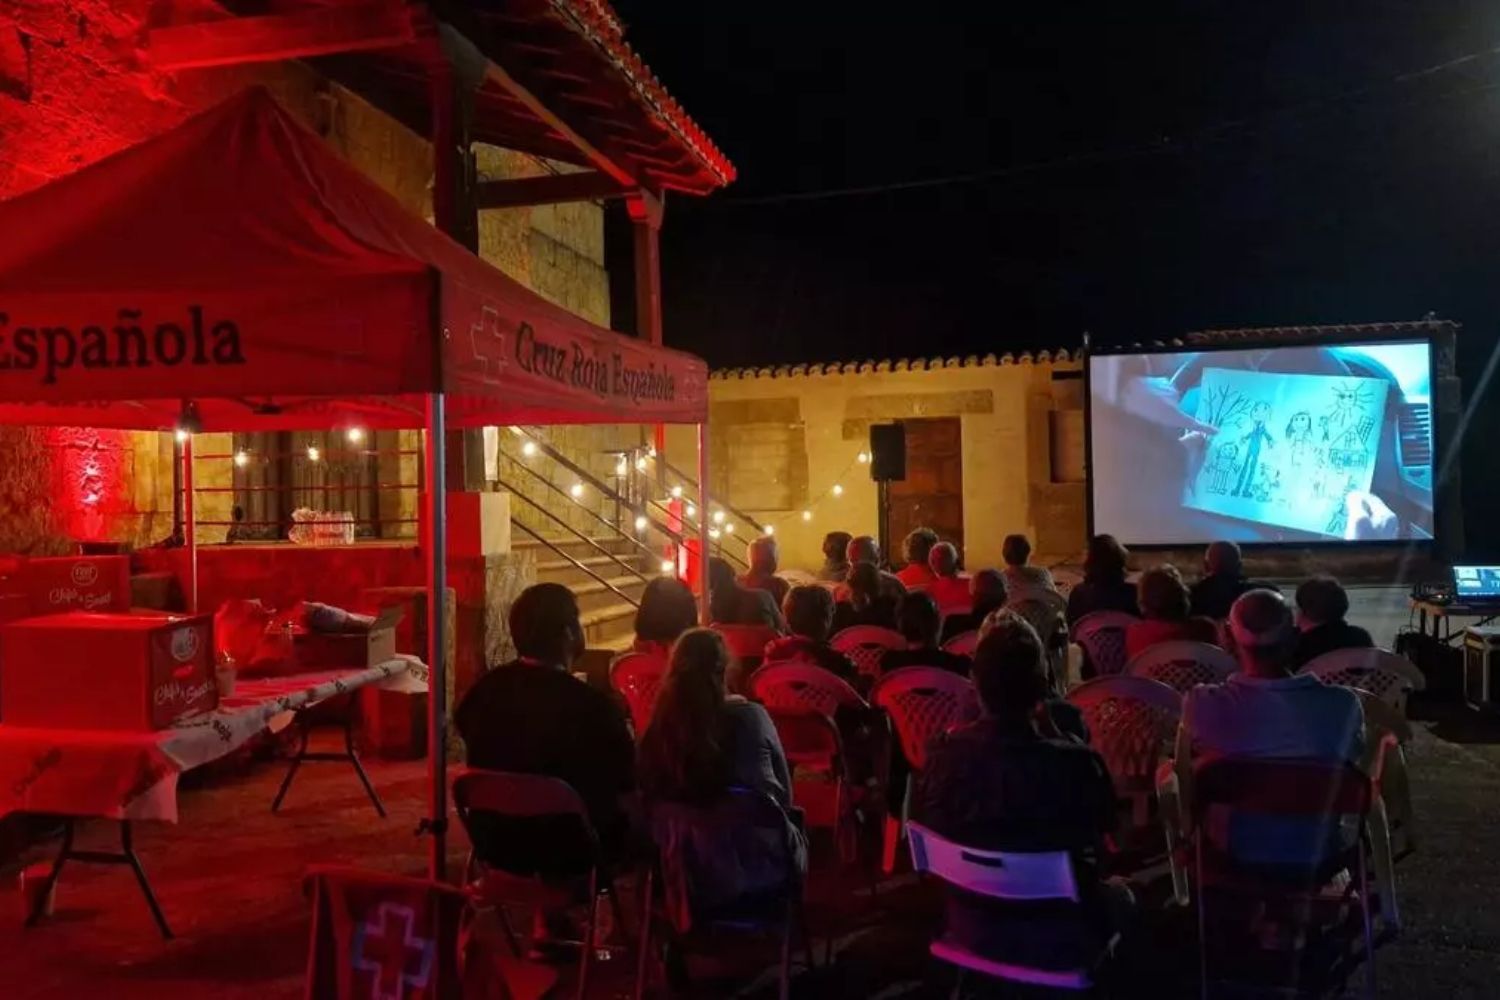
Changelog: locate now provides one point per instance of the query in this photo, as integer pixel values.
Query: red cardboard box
(78, 583)
(78, 670)
(353, 650)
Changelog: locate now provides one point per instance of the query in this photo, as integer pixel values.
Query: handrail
(607, 494)
(759, 528)
(572, 530)
(557, 551)
(718, 542)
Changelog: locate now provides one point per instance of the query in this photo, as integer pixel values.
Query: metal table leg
(349, 754)
(125, 856)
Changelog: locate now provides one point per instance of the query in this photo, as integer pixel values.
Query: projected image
(1268, 445)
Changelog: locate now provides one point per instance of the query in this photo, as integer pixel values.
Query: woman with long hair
(1104, 587)
(668, 609)
(703, 740)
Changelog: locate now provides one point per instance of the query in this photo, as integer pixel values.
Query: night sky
(1207, 165)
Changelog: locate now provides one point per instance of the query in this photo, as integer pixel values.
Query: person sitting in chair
(1104, 587)
(987, 594)
(918, 621)
(809, 616)
(864, 602)
(1222, 583)
(1020, 575)
(1322, 604)
(668, 609)
(948, 587)
(835, 557)
(1164, 605)
(916, 547)
(765, 556)
(731, 604)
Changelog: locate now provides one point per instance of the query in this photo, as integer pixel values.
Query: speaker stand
(883, 517)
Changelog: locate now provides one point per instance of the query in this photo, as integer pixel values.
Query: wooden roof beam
(319, 31)
(601, 161)
(549, 190)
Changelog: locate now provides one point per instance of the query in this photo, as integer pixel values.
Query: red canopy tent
(236, 274)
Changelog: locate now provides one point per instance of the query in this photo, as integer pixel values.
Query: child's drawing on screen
(1223, 468)
(1301, 451)
(1260, 413)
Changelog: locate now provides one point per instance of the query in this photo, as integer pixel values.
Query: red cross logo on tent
(488, 342)
(386, 948)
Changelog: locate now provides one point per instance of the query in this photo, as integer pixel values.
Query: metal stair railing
(557, 551)
(690, 485)
(548, 543)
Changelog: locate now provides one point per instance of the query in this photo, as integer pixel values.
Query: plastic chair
(747, 643)
(1285, 789)
(1102, 636)
(797, 686)
(1047, 599)
(963, 644)
(1003, 875)
(1182, 664)
(1388, 676)
(671, 880)
(504, 795)
(922, 702)
(638, 677)
(1132, 722)
(865, 645)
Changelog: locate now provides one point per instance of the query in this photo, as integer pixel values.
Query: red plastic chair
(1102, 636)
(865, 645)
(747, 643)
(963, 644)
(922, 702)
(638, 677)
(1183, 664)
(795, 686)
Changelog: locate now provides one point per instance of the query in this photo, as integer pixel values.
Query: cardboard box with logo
(353, 649)
(130, 672)
(77, 583)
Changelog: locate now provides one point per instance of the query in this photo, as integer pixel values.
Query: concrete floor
(228, 876)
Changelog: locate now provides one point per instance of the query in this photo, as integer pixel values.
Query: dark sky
(1178, 166)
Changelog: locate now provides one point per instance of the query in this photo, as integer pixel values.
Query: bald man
(1223, 581)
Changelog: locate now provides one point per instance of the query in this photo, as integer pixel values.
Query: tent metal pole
(190, 523)
(704, 520)
(437, 646)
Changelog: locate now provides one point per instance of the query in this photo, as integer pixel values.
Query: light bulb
(621, 467)
(640, 465)
(241, 459)
(576, 490)
(668, 566)
(807, 515)
(355, 435)
(182, 435)
(692, 511)
(718, 517)
(864, 457)
(641, 522)
(838, 490)
(713, 532)
(729, 529)
(528, 449)
(769, 529)
(677, 493)
(312, 453)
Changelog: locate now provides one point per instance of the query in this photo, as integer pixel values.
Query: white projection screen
(1275, 445)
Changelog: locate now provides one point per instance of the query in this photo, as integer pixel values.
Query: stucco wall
(1005, 410)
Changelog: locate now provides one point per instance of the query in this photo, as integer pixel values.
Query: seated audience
(918, 621)
(835, 557)
(1223, 581)
(916, 547)
(865, 550)
(701, 739)
(1265, 711)
(764, 555)
(948, 587)
(1019, 575)
(863, 601)
(533, 716)
(731, 604)
(1012, 782)
(1322, 604)
(987, 594)
(809, 616)
(668, 609)
(1164, 606)
(1104, 587)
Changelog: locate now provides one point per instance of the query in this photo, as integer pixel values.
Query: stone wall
(1016, 476)
(74, 90)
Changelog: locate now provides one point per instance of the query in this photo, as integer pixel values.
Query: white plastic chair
(1045, 596)
(964, 643)
(922, 702)
(1131, 722)
(1183, 664)
(864, 645)
(1102, 636)
(1388, 676)
(1003, 875)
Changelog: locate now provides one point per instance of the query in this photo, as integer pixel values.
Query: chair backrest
(964, 643)
(801, 686)
(1182, 664)
(808, 738)
(746, 642)
(1102, 636)
(1388, 676)
(638, 677)
(866, 644)
(1131, 722)
(923, 702)
(1285, 788)
(997, 874)
(490, 804)
(1046, 596)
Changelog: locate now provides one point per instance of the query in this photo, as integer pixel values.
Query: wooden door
(932, 495)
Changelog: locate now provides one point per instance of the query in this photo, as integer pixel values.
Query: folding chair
(922, 702)
(1102, 637)
(495, 808)
(1013, 876)
(963, 644)
(638, 677)
(865, 645)
(1182, 664)
(1388, 676)
(694, 842)
(1318, 792)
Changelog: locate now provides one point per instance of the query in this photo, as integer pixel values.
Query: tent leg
(437, 648)
(704, 520)
(190, 523)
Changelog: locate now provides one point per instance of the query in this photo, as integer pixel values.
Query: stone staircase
(608, 620)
